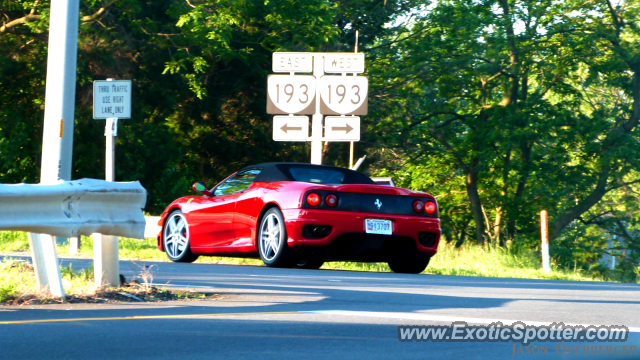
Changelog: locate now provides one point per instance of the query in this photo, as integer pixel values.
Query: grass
(18, 287)
(18, 282)
(18, 279)
(490, 261)
(469, 260)
(475, 260)
(128, 249)
(14, 241)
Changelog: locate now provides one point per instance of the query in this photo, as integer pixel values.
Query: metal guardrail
(71, 208)
(152, 229)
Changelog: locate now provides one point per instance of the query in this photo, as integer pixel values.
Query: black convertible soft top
(272, 172)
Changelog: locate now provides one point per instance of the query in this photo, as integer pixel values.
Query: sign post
(544, 230)
(317, 95)
(316, 122)
(111, 101)
(351, 147)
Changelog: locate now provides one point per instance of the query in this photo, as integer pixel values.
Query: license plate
(374, 226)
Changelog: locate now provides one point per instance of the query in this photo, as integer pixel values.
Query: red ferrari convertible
(301, 215)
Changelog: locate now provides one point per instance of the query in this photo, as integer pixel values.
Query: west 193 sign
(343, 95)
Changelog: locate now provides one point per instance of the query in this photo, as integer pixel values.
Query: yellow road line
(144, 317)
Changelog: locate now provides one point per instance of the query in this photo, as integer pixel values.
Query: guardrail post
(105, 260)
(45, 263)
(544, 229)
(74, 245)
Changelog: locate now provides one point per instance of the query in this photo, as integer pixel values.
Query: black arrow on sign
(286, 128)
(346, 128)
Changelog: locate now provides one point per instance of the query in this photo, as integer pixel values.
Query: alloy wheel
(176, 235)
(271, 231)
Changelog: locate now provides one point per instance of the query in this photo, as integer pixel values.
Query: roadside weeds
(468, 260)
(18, 287)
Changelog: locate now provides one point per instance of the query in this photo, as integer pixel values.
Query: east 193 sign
(292, 62)
(343, 95)
(291, 94)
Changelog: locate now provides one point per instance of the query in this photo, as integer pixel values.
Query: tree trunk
(497, 224)
(525, 150)
(601, 188)
(497, 227)
(574, 212)
(474, 199)
(511, 96)
(325, 150)
(471, 170)
(463, 233)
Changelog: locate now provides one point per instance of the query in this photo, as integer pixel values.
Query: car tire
(313, 264)
(176, 239)
(409, 265)
(272, 240)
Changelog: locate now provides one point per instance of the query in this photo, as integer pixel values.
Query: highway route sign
(294, 91)
(112, 99)
(290, 128)
(292, 62)
(291, 94)
(342, 128)
(344, 63)
(343, 95)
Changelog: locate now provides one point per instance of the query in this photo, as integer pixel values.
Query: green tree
(499, 91)
(199, 73)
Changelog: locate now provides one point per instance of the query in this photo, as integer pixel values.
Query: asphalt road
(313, 314)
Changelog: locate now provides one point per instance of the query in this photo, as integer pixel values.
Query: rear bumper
(350, 227)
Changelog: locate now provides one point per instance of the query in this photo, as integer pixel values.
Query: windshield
(240, 182)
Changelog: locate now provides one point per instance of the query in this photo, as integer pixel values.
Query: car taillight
(313, 199)
(331, 200)
(430, 207)
(418, 206)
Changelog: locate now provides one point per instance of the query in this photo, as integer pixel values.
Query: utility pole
(57, 140)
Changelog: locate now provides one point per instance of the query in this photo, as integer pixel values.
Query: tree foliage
(519, 105)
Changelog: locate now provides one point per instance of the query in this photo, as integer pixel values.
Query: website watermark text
(518, 332)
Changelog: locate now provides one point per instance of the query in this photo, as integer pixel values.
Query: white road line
(440, 318)
(187, 286)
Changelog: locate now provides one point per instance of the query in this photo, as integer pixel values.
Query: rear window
(318, 176)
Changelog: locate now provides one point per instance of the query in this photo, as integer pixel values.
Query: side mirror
(201, 187)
